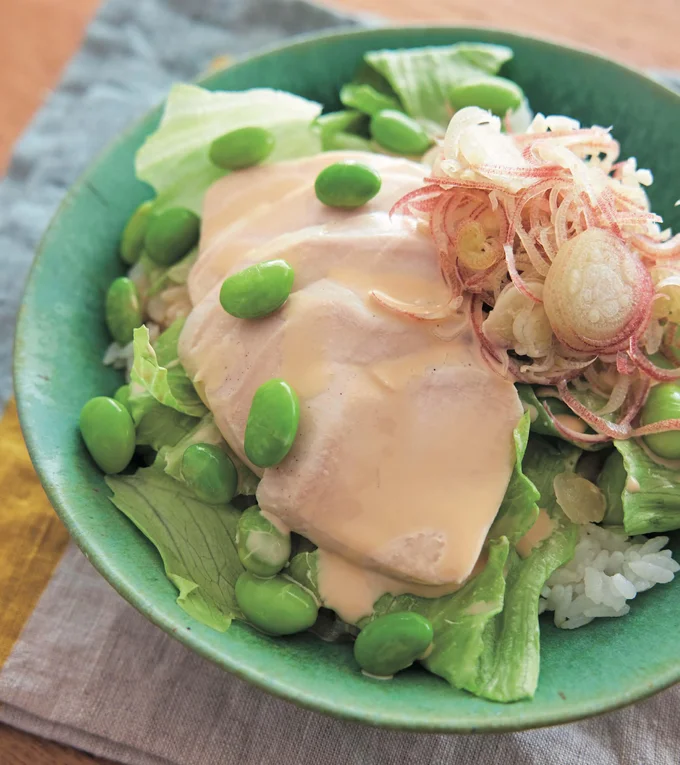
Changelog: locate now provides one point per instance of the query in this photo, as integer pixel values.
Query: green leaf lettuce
(518, 510)
(541, 422)
(509, 662)
(162, 426)
(423, 77)
(205, 431)
(487, 633)
(168, 385)
(174, 159)
(196, 541)
(651, 500)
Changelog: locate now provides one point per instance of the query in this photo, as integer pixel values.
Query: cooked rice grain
(607, 570)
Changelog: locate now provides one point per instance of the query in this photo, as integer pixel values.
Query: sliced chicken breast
(404, 449)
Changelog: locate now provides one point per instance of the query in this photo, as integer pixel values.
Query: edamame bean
(108, 432)
(277, 606)
(496, 94)
(209, 473)
(392, 642)
(341, 141)
(365, 98)
(338, 131)
(272, 423)
(347, 184)
(123, 309)
(242, 148)
(171, 234)
(122, 396)
(262, 548)
(663, 403)
(132, 241)
(397, 132)
(304, 569)
(345, 120)
(258, 290)
(661, 361)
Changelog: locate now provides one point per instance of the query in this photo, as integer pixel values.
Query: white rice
(607, 570)
(119, 357)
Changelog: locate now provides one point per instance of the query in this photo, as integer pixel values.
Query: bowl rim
(571, 711)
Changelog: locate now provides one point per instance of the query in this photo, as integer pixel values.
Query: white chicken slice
(247, 209)
(404, 449)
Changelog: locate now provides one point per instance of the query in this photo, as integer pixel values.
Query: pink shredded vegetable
(555, 216)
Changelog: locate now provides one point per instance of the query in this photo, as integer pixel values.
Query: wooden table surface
(37, 37)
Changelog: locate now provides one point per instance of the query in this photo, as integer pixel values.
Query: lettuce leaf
(541, 422)
(166, 344)
(486, 635)
(178, 430)
(655, 506)
(367, 75)
(612, 481)
(423, 77)
(173, 276)
(174, 159)
(518, 511)
(469, 638)
(149, 381)
(162, 427)
(458, 620)
(205, 431)
(196, 542)
(543, 460)
(509, 662)
(465, 621)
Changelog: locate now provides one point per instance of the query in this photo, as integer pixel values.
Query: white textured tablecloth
(90, 671)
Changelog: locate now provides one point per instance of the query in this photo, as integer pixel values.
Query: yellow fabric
(32, 538)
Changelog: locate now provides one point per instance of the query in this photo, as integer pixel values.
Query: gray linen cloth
(88, 669)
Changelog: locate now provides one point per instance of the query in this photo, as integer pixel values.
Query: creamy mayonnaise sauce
(572, 421)
(543, 527)
(632, 485)
(404, 449)
(352, 589)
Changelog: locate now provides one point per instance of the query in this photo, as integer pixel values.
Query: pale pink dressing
(404, 449)
(533, 412)
(632, 485)
(572, 421)
(543, 527)
(351, 590)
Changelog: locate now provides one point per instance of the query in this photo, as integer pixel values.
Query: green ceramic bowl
(61, 338)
